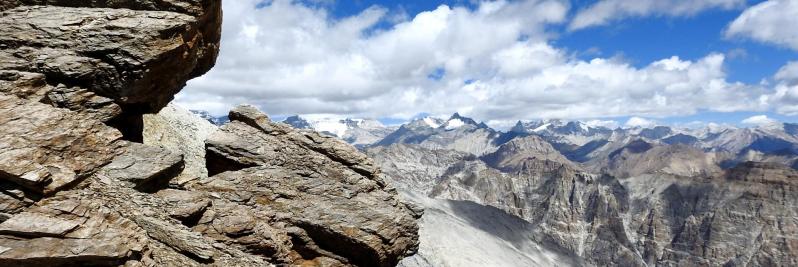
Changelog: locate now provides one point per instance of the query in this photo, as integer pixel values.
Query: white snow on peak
(583, 126)
(542, 127)
(431, 122)
(454, 124)
(335, 127)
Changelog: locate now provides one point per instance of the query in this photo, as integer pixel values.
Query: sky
(614, 62)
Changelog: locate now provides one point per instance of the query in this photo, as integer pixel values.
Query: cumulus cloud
(788, 73)
(760, 120)
(771, 21)
(603, 123)
(639, 122)
(494, 62)
(606, 11)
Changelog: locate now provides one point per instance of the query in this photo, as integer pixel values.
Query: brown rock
(146, 168)
(46, 149)
(320, 185)
(119, 54)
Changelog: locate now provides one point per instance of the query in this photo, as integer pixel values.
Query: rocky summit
(96, 169)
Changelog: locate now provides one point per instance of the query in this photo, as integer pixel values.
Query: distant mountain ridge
(577, 140)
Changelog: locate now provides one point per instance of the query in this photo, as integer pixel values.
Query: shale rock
(329, 192)
(45, 149)
(76, 189)
(139, 57)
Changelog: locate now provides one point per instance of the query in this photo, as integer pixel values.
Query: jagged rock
(83, 101)
(74, 193)
(639, 157)
(179, 239)
(14, 199)
(179, 130)
(512, 155)
(253, 230)
(120, 54)
(413, 168)
(320, 185)
(46, 149)
(235, 147)
(64, 231)
(146, 168)
(187, 206)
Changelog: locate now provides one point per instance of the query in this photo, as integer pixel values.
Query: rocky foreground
(86, 179)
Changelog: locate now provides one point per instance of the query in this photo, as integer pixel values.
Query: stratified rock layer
(76, 189)
(332, 194)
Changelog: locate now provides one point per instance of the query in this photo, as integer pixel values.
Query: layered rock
(655, 218)
(178, 130)
(413, 168)
(78, 189)
(332, 195)
(45, 149)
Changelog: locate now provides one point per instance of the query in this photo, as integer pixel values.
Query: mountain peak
(457, 121)
(297, 122)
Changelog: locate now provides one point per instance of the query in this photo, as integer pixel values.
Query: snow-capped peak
(432, 122)
(542, 127)
(457, 121)
(454, 124)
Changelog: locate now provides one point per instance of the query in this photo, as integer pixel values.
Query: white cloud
(603, 123)
(760, 120)
(639, 122)
(772, 21)
(606, 11)
(497, 61)
(788, 73)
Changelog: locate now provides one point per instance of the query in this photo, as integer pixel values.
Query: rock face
(462, 233)
(671, 207)
(178, 130)
(79, 188)
(122, 54)
(332, 194)
(412, 168)
(457, 133)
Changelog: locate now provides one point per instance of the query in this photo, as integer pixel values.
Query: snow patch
(431, 122)
(542, 128)
(454, 124)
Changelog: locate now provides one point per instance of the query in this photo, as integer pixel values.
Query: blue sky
(724, 73)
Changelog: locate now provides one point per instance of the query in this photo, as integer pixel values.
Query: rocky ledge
(79, 188)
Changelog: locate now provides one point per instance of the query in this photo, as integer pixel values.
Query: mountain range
(580, 142)
(591, 195)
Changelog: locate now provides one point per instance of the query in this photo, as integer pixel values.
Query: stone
(46, 149)
(83, 182)
(146, 168)
(183, 241)
(35, 225)
(186, 206)
(83, 101)
(178, 130)
(119, 54)
(331, 193)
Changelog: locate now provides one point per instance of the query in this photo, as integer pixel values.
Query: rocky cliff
(88, 179)
(658, 214)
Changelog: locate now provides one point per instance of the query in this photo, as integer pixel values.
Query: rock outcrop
(413, 168)
(324, 188)
(179, 130)
(654, 218)
(79, 188)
